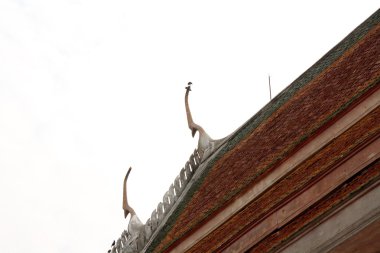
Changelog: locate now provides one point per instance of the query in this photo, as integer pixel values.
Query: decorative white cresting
(138, 234)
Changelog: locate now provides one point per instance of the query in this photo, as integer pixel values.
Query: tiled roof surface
(345, 75)
(314, 167)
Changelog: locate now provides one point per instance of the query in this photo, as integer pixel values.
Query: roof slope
(344, 76)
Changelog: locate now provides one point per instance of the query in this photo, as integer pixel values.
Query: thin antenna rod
(270, 88)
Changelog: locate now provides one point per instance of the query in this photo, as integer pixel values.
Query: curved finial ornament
(127, 209)
(135, 224)
(205, 143)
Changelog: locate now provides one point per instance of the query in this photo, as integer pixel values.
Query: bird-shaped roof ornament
(135, 224)
(206, 145)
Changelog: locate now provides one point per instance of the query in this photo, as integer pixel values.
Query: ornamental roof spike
(206, 145)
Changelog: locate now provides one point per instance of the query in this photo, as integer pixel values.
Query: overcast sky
(89, 88)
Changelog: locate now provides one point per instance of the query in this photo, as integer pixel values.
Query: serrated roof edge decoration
(138, 234)
(135, 238)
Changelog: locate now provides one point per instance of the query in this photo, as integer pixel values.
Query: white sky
(89, 88)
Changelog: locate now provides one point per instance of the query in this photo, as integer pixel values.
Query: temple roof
(343, 77)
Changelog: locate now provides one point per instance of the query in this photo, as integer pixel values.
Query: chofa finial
(127, 209)
(205, 143)
(135, 224)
